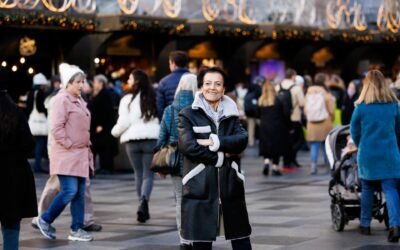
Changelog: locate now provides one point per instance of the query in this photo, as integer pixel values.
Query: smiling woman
(211, 139)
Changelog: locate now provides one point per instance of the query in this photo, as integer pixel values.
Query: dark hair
(319, 80)
(200, 76)
(8, 115)
(147, 95)
(180, 58)
(289, 73)
(212, 70)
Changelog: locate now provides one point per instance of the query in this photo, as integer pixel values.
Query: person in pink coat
(70, 157)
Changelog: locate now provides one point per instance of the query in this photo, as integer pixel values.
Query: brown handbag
(166, 159)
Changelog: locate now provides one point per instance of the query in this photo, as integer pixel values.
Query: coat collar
(229, 106)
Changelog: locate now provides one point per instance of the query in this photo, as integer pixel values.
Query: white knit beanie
(67, 71)
(39, 79)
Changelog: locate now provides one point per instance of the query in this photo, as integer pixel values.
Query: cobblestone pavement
(287, 212)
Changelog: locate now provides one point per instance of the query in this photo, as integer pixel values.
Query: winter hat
(299, 80)
(67, 71)
(4, 79)
(39, 79)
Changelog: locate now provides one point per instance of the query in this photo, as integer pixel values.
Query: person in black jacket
(17, 185)
(211, 139)
(274, 129)
(352, 93)
(251, 107)
(178, 61)
(103, 119)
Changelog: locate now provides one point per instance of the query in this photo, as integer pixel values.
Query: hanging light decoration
(66, 4)
(172, 10)
(150, 9)
(243, 15)
(341, 15)
(128, 6)
(388, 17)
(359, 21)
(8, 4)
(84, 6)
(28, 4)
(211, 11)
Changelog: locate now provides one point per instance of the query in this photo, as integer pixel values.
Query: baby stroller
(344, 187)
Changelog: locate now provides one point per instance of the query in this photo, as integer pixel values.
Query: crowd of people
(211, 128)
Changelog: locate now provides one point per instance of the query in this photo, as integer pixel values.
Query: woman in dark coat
(274, 129)
(103, 119)
(211, 138)
(17, 185)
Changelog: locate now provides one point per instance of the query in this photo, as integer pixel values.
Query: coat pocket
(194, 183)
(236, 181)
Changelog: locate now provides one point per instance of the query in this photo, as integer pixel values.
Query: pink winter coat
(70, 129)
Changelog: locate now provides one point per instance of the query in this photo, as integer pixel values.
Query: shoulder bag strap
(171, 125)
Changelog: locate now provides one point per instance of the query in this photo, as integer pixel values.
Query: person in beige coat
(320, 112)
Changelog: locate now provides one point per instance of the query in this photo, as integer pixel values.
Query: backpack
(285, 97)
(251, 103)
(316, 107)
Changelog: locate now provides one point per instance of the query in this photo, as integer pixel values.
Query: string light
(96, 60)
(4, 64)
(30, 71)
(14, 68)
(22, 60)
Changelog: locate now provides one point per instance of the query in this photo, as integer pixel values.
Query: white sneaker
(80, 235)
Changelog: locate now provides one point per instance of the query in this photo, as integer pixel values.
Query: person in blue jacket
(184, 97)
(375, 129)
(178, 61)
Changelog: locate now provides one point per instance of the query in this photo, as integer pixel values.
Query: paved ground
(288, 212)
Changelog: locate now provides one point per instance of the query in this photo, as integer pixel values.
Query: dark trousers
(242, 244)
(40, 151)
(106, 158)
(10, 231)
(296, 141)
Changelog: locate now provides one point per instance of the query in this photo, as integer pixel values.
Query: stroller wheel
(338, 219)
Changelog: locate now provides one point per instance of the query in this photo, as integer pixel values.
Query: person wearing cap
(35, 103)
(70, 158)
(17, 185)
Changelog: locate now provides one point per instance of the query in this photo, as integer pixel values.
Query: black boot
(394, 234)
(266, 169)
(143, 210)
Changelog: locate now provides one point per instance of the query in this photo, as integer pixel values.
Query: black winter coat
(274, 130)
(213, 184)
(17, 185)
(103, 114)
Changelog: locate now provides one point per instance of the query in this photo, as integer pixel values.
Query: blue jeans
(314, 151)
(10, 233)
(40, 150)
(389, 187)
(72, 190)
(140, 154)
